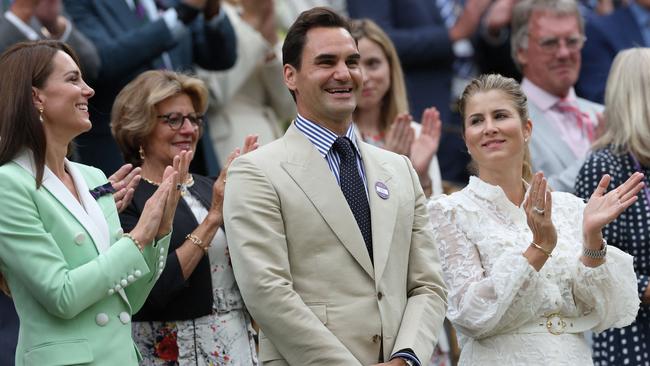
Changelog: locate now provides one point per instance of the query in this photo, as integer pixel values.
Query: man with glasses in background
(547, 36)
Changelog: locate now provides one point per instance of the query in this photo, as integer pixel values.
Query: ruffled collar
(495, 195)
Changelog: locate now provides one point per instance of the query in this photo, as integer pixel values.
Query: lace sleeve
(609, 289)
(482, 302)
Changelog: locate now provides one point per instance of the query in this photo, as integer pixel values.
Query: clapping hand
(152, 213)
(425, 146)
(219, 187)
(603, 208)
(124, 182)
(180, 166)
(400, 135)
(539, 207)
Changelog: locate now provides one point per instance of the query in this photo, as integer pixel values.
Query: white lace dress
(493, 290)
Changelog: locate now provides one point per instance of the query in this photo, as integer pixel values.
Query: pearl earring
(40, 114)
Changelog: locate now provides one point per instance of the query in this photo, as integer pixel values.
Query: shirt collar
(541, 98)
(321, 137)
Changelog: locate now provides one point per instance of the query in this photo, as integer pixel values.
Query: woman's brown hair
(23, 66)
(395, 101)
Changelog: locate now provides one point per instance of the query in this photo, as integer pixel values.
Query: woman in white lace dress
(527, 270)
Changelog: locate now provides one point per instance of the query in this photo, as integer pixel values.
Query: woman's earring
(40, 114)
(526, 139)
(141, 152)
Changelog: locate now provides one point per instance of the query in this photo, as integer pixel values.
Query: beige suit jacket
(302, 266)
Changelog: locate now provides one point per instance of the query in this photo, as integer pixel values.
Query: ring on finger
(537, 210)
(178, 186)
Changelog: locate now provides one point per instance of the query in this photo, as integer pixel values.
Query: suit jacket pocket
(70, 352)
(320, 310)
(268, 352)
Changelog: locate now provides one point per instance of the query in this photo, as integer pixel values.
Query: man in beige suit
(329, 237)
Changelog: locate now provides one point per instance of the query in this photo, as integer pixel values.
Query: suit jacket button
(137, 273)
(124, 283)
(380, 295)
(101, 319)
(79, 238)
(376, 338)
(130, 278)
(125, 318)
(111, 291)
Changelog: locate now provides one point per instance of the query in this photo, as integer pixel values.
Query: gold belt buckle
(557, 328)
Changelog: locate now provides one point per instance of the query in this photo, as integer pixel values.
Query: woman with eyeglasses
(194, 314)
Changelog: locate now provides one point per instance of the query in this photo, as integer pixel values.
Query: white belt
(557, 324)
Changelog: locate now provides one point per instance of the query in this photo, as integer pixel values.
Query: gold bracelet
(545, 251)
(198, 242)
(135, 241)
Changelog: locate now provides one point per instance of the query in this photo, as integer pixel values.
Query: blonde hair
(395, 101)
(512, 90)
(627, 100)
(133, 117)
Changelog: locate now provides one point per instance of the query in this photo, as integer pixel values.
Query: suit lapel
(311, 173)
(383, 212)
(89, 215)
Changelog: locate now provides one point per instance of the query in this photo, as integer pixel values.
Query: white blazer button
(137, 273)
(119, 232)
(130, 278)
(118, 287)
(124, 283)
(79, 238)
(161, 264)
(162, 258)
(160, 272)
(111, 291)
(125, 318)
(101, 319)
(162, 250)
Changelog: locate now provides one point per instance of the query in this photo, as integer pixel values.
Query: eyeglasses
(176, 120)
(552, 44)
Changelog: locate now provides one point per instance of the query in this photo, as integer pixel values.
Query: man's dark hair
(294, 42)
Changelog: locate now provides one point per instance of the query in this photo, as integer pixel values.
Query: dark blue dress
(629, 232)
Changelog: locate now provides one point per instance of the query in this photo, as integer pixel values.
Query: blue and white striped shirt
(323, 139)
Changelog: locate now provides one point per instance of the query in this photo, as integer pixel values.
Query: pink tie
(582, 119)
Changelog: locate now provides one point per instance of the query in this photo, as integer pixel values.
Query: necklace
(188, 182)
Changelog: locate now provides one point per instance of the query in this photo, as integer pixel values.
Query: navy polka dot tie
(354, 189)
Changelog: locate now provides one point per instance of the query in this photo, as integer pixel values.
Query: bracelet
(135, 241)
(595, 254)
(545, 251)
(198, 242)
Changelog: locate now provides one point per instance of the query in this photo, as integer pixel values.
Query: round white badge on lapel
(382, 190)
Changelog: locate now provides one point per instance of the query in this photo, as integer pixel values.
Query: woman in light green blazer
(75, 278)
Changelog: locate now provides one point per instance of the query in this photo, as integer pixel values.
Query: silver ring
(538, 210)
(178, 186)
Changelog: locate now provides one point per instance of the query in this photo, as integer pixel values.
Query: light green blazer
(74, 278)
